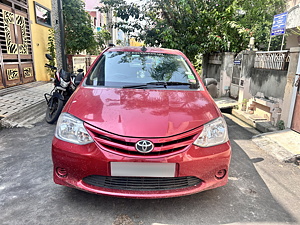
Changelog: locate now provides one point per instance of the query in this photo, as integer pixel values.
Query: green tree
(102, 37)
(79, 33)
(195, 26)
(257, 16)
(51, 50)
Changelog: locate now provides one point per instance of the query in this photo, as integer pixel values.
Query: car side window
(97, 76)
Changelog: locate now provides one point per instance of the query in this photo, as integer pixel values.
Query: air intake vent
(142, 183)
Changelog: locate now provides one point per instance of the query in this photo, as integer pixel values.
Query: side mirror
(49, 57)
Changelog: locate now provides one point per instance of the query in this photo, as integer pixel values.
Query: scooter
(64, 85)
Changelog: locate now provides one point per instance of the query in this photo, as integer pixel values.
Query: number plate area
(137, 169)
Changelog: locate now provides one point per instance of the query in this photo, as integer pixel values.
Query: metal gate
(16, 59)
(296, 115)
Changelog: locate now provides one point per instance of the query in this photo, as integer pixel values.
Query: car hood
(142, 112)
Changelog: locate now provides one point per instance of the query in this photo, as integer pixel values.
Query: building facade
(102, 20)
(24, 26)
(293, 44)
(41, 23)
(293, 24)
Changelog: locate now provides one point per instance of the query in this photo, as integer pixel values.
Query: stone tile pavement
(283, 145)
(24, 103)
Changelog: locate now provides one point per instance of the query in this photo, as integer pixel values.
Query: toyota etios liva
(141, 125)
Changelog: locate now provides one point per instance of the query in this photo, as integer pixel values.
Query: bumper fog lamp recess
(61, 172)
(221, 174)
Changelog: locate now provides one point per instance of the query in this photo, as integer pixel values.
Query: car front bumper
(85, 167)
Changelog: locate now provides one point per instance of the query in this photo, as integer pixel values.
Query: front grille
(132, 144)
(142, 183)
(144, 154)
(126, 145)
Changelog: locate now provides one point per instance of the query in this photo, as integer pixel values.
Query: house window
(42, 15)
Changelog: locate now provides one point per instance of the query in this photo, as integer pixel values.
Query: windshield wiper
(146, 85)
(175, 83)
(162, 83)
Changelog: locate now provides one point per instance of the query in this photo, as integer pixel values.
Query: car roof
(145, 49)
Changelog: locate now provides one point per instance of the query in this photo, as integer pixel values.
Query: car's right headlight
(71, 129)
(213, 133)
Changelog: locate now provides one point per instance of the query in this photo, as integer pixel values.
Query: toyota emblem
(144, 146)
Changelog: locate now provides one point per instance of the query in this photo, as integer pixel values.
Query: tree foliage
(198, 26)
(102, 37)
(101, 41)
(79, 34)
(258, 18)
(51, 50)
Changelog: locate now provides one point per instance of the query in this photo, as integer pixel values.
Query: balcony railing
(273, 60)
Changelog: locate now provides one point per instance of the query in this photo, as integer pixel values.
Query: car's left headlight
(71, 129)
(213, 133)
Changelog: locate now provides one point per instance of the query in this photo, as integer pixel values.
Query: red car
(142, 125)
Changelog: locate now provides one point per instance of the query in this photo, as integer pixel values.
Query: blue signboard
(279, 23)
(237, 62)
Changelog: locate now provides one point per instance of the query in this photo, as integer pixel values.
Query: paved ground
(15, 99)
(283, 145)
(23, 105)
(261, 190)
(287, 138)
(225, 102)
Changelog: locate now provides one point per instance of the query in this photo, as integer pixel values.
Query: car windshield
(142, 70)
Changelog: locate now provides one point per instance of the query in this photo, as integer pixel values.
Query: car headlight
(213, 133)
(71, 129)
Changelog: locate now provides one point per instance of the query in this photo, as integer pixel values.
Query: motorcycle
(64, 85)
